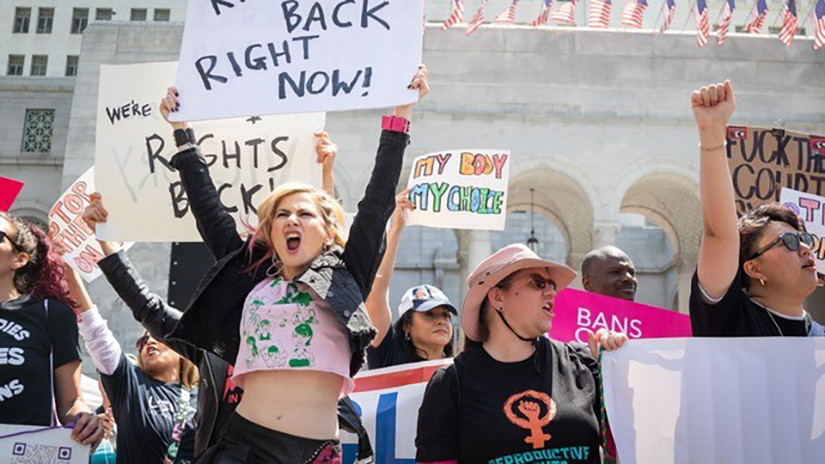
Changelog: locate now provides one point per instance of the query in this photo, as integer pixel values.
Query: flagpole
(690, 12)
(661, 10)
(779, 15)
(720, 14)
(810, 10)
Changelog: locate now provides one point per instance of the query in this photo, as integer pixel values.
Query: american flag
(757, 17)
(669, 9)
(702, 23)
(456, 16)
(477, 20)
(790, 21)
(819, 25)
(722, 31)
(542, 18)
(633, 14)
(566, 13)
(508, 16)
(600, 13)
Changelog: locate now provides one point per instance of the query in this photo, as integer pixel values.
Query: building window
(15, 65)
(162, 15)
(22, 16)
(71, 65)
(45, 19)
(80, 19)
(37, 134)
(103, 14)
(138, 14)
(39, 64)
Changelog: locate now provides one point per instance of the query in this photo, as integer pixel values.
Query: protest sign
(26, 444)
(578, 312)
(66, 225)
(460, 189)
(387, 401)
(717, 400)
(763, 161)
(809, 208)
(250, 58)
(9, 189)
(247, 158)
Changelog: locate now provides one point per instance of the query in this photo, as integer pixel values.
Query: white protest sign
(26, 444)
(66, 225)
(247, 158)
(460, 189)
(717, 400)
(388, 401)
(811, 210)
(240, 58)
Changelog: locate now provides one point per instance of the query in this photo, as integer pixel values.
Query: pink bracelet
(395, 124)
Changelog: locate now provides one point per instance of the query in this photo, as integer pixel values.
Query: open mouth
(152, 351)
(293, 242)
(810, 265)
(630, 289)
(548, 308)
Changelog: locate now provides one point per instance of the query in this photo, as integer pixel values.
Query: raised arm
(719, 252)
(363, 251)
(216, 227)
(326, 151)
(148, 308)
(377, 303)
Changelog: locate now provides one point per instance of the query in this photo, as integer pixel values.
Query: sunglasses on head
(791, 240)
(5, 236)
(141, 342)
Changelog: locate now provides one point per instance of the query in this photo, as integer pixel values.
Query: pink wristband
(395, 124)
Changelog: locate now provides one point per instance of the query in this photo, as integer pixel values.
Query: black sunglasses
(791, 240)
(4, 235)
(141, 342)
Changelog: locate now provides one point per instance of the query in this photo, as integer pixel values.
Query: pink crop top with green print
(286, 325)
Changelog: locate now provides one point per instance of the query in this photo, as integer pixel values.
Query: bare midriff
(300, 403)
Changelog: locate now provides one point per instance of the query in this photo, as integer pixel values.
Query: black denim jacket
(341, 277)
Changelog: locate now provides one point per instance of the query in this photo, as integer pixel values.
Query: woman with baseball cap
(516, 396)
(424, 329)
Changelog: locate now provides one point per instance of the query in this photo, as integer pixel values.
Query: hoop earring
(275, 268)
(407, 336)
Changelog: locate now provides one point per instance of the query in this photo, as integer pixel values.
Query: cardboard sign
(9, 189)
(26, 444)
(763, 161)
(387, 401)
(241, 58)
(66, 225)
(717, 400)
(809, 208)
(247, 158)
(578, 312)
(460, 189)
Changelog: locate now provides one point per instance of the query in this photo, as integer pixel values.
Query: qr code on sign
(28, 453)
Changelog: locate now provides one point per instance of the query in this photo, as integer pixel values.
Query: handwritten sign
(240, 58)
(717, 400)
(460, 189)
(578, 312)
(26, 444)
(809, 208)
(763, 161)
(66, 225)
(9, 189)
(247, 158)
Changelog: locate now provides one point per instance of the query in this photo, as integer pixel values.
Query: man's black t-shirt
(146, 414)
(737, 315)
(390, 352)
(32, 345)
(544, 409)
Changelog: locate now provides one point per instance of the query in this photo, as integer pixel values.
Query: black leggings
(248, 443)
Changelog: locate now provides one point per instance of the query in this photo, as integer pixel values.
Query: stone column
(604, 234)
(474, 246)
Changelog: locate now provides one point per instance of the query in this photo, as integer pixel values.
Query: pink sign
(578, 312)
(9, 188)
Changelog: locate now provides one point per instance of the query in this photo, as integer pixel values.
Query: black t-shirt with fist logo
(544, 409)
(32, 343)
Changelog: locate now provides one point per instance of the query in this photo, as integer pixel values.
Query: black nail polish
(177, 105)
(177, 94)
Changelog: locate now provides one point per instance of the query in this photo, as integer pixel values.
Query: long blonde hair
(330, 210)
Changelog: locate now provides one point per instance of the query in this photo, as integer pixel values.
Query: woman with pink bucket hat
(515, 395)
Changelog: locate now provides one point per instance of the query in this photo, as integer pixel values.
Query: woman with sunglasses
(153, 402)
(39, 349)
(515, 395)
(754, 274)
